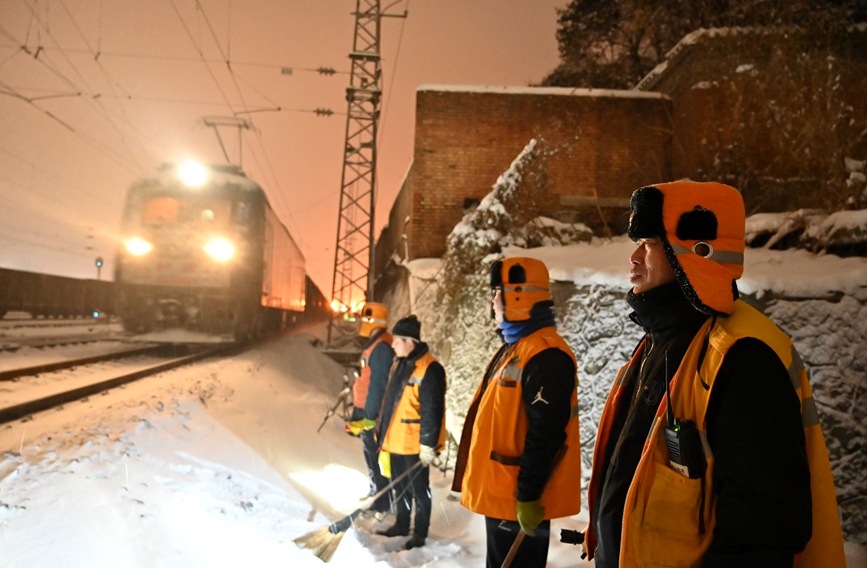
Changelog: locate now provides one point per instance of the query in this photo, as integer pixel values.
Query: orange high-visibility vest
(490, 481)
(404, 430)
(661, 515)
(362, 383)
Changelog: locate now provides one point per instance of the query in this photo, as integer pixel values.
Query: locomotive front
(191, 254)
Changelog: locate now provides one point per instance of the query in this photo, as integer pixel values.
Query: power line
(285, 69)
(100, 109)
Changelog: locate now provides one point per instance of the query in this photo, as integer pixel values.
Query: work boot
(394, 530)
(414, 542)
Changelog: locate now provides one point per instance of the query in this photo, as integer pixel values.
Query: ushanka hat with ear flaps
(702, 227)
(525, 284)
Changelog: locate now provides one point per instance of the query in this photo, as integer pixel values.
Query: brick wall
(600, 143)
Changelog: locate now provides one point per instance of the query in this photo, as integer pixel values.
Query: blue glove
(530, 514)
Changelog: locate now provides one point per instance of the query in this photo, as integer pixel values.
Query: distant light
(96, 314)
(138, 247)
(193, 174)
(220, 250)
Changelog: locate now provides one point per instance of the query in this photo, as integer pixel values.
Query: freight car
(48, 295)
(203, 250)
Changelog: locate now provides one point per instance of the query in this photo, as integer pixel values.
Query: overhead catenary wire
(95, 105)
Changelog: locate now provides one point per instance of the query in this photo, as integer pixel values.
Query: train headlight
(193, 174)
(220, 250)
(138, 247)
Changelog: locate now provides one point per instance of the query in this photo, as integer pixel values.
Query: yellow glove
(368, 424)
(385, 464)
(354, 428)
(530, 514)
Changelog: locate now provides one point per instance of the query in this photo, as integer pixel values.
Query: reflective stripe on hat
(522, 288)
(374, 321)
(720, 256)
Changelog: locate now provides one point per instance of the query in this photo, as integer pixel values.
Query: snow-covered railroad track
(8, 375)
(26, 396)
(13, 344)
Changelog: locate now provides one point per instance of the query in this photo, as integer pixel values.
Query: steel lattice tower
(354, 252)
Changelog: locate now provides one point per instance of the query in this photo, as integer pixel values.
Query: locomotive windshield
(158, 211)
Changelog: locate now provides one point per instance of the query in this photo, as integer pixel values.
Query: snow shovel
(324, 541)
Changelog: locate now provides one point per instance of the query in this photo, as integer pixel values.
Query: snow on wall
(828, 334)
(452, 299)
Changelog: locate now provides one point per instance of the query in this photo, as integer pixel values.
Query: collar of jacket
(419, 350)
(373, 337)
(663, 309)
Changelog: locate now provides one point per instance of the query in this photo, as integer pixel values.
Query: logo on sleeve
(539, 397)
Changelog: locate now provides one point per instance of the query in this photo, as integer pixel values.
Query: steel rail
(13, 344)
(17, 411)
(60, 365)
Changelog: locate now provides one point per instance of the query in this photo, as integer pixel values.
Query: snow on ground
(217, 464)
(220, 464)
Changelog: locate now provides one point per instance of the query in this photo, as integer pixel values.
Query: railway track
(34, 391)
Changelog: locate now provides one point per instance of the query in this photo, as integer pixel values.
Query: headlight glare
(220, 250)
(138, 247)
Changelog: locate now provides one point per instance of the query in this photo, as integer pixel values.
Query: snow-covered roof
(549, 91)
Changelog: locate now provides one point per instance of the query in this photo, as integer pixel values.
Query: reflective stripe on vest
(490, 479)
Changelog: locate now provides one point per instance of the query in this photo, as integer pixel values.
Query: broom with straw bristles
(325, 541)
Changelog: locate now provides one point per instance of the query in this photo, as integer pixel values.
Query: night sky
(96, 93)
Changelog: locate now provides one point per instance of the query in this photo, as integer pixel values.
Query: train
(202, 249)
(48, 295)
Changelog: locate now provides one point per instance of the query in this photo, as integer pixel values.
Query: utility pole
(354, 253)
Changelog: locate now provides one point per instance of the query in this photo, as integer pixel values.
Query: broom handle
(514, 550)
(371, 500)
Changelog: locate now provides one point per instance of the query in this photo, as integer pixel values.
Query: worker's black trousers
(377, 481)
(414, 488)
(533, 552)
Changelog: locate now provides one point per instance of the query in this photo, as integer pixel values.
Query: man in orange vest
(367, 391)
(412, 427)
(709, 451)
(519, 462)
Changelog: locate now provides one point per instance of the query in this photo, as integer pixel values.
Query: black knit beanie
(408, 327)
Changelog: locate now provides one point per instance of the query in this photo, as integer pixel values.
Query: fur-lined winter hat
(373, 316)
(525, 283)
(702, 226)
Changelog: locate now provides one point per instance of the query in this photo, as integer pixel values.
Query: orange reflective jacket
(661, 515)
(490, 480)
(362, 383)
(404, 430)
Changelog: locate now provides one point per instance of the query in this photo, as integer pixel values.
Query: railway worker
(412, 427)
(737, 473)
(519, 462)
(376, 358)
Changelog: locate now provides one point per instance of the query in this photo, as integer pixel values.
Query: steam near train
(203, 250)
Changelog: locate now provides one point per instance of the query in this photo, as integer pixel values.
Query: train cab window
(171, 211)
(160, 210)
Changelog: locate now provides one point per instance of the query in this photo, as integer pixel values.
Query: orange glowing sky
(78, 128)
